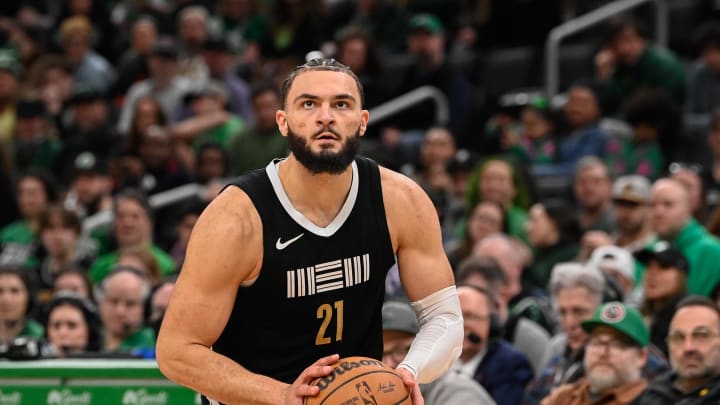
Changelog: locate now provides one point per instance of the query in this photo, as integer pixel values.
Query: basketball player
(285, 269)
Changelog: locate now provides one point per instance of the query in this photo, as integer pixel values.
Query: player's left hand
(412, 386)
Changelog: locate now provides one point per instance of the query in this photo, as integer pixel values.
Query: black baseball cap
(665, 254)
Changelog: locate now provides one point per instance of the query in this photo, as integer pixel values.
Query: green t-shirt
(142, 339)
(32, 329)
(102, 265)
(222, 134)
(17, 244)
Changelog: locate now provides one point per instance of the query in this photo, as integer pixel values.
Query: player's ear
(281, 121)
(364, 117)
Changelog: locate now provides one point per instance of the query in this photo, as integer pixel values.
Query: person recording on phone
(500, 368)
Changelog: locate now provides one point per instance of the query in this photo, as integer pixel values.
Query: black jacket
(663, 391)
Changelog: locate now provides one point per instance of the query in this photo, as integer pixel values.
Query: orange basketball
(360, 381)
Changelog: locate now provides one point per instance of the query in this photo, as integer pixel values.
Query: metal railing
(409, 99)
(557, 34)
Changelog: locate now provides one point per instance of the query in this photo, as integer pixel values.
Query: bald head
(502, 249)
(670, 207)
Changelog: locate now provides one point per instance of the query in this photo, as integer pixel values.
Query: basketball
(360, 381)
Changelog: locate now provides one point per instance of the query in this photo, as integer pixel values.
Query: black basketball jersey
(320, 290)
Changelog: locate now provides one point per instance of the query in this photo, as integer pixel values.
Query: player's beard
(325, 161)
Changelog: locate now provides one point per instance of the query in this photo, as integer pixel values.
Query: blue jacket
(504, 372)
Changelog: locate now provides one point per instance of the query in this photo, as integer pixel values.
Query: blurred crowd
(567, 219)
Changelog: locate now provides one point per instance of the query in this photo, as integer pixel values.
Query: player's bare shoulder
(406, 203)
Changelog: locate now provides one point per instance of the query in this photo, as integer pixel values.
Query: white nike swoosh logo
(282, 245)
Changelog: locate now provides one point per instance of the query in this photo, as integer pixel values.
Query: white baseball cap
(616, 258)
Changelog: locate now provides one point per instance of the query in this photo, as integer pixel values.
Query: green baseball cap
(623, 319)
(426, 22)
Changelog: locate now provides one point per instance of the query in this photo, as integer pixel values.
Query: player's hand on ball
(411, 385)
(301, 387)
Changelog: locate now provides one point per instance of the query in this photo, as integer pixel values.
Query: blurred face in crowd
(57, 83)
(694, 344)
(90, 115)
(72, 282)
(29, 128)
(476, 310)
(628, 46)
(161, 300)
(574, 305)
(76, 46)
(58, 239)
(631, 216)
(162, 69)
(89, 186)
(438, 147)
(185, 228)
(147, 114)
(266, 104)
(207, 104)
(581, 108)
(486, 219)
(429, 48)
(132, 224)
(353, 54)
(155, 148)
(592, 186)
(14, 298)
(67, 330)
(505, 253)
(534, 124)
(496, 183)
(31, 198)
(612, 360)
(662, 282)
(540, 228)
(693, 184)
(193, 30)
(143, 36)
(211, 164)
(670, 207)
(396, 345)
(217, 62)
(121, 304)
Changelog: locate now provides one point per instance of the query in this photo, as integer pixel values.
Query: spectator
(192, 32)
(159, 300)
(694, 354)
(618, 267)
(75, 280)
(184, 228)
(52, 78)
(72, 325)
(294, 29)
(577, 292)
(400, 326)
(615, 355)
(554, 233)
(90, 187)
(655, 122)
(524, 334)
(133, 63)
(143, 261)
(631, 201)
(500, 368)
(164, 84)
(426, 44)
(672, 221)
(243, 24)
(17, 303)
(122, 296)
(486, 218)
(592, 186)
(255, 145)
(703, 82)
(627, 63)
(498, 180)
(89, 129)
(385, 22)
(690, 175)
(133, 229)
(218, 57)
(19, 240)
(60, 231)
(36, 142)
(91, 69)
(582, 135)
(664, 286)
(534, 143)
(356, 50)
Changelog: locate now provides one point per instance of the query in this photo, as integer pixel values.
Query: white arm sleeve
(439, 342)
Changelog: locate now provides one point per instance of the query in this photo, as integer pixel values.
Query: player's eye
(308, 103)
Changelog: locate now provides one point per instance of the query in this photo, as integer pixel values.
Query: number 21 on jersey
(326, 313)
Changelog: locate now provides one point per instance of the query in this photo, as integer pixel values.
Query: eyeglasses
(699, 336)
(613, 345)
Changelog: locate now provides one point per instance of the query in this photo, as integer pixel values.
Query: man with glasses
(614, 357)
(400, 325)
(694, 345)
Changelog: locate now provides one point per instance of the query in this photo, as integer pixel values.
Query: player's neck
(318, 196)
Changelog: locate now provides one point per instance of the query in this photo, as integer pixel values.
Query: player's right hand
(301, 387)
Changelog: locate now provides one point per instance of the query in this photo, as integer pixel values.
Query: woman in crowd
(72, 325)
(17, 302)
